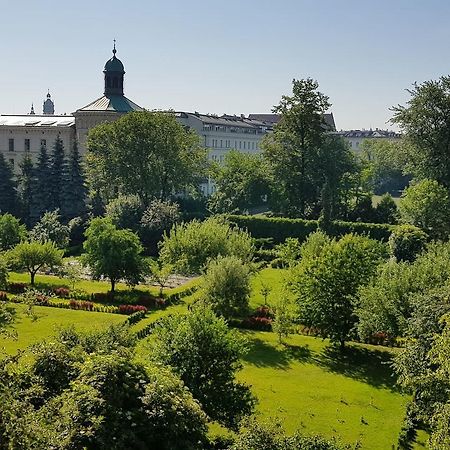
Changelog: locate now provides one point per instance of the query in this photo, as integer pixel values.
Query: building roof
(363, 134)
(37, 121)
(275, 118)
(113, 103)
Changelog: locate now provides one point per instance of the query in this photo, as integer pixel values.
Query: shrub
(226, 286)
(4, 275)
(11, 231)
(281, 228)
(62, 292)
(125, 212)
(84, 306)
(131, 309)
(257, 323)
(406, 242)
(17, 288)
(50, 228)
(386, 211)
(136, 317)
(189, 245)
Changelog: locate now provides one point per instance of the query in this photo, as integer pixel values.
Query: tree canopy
(148, 154)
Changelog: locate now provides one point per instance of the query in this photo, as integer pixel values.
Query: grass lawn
(48, 322)
(89, 286)
(273, 279)
(309, 386)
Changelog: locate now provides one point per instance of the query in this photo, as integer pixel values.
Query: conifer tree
(8, 193)
(74, 190)
(41, 186)
(26, 188)
(57, 174)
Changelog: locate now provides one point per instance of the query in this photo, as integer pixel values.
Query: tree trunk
(33, 274)
(113, 286)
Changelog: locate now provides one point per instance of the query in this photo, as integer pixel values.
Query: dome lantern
(114, 74)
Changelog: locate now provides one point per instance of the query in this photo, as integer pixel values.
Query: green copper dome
(114, 65)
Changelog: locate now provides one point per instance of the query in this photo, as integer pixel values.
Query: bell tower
(114, 74)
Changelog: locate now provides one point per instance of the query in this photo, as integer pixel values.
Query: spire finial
(114, 49)
(32, 110)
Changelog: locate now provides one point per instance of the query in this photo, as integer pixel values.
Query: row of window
(241, 145)
(223, 128)
(26, 146)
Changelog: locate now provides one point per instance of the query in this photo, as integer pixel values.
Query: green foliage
(302, 157)
(285, 315)
(84, 391)
(281, 228)
(289, 251)
(256, 435)
(74, 194)
(50, 228)
(424, 123)
(8, 193)
(325, 286)
(158, 218)
(160, 273)
(34, 256)
(113, 253)
(226, 286)
(189, 245)
(26, 188)
(200, 348)
(426, 205)
(406, 242)
(58, 170)
(242, 183)
(11, 231)
(386, 211)
(4, 273)
(41, 200)
(125, 212)
(148, 154)
(387, 303)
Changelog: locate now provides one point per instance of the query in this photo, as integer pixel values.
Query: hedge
(280, 228)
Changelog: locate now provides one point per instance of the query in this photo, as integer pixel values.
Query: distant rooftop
(37, 121)
(113, 103)
(377, 133)
(275, 118)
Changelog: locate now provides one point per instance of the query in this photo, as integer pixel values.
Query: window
(27, 145)
(11, 145)
(240, 145)
(244, 145)
(221, 142)
(43, 143)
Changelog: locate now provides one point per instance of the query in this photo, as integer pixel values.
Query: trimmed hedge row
(280, 228)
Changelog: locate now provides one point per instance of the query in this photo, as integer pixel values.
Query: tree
(200, 348)
(125, 212)
(425, 123)
(26, 188)
(4, 269)
(8, 193)
(113, 253)
(386, 211)
(42, 200)
(49, 228)
(87, 392)
(226, 286)
(160, 274)
(158, 218)
(406, 242)
(58, 170)
(426, 205)
(11, 231)
(241, 182)
(284, 317)
(325, 286)
(148, 154)
(35, 256)
(302, 157)
(189, 245)
(74, 193)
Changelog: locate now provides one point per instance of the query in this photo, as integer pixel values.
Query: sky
(233, 56)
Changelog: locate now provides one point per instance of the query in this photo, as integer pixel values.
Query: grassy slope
(274, 279)
(308, 386)
(47, 323)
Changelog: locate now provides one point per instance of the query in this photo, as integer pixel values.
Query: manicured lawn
(89, 286)
(273, 279)
(47, 323)
(309, 386)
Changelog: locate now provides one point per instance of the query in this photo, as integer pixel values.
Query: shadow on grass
(367, 365)
(262, 354)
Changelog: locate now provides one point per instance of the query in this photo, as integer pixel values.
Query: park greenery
(323, 293)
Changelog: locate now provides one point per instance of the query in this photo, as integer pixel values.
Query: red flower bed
(263, 311)
(84, 306)
(130, 309)
(257, 323)
(61, 292)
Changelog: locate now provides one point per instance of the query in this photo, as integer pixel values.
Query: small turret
(49, 106)
(32, 113)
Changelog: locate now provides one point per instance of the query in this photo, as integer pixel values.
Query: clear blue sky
(232, 56)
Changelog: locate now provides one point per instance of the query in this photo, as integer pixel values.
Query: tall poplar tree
(26, 188)
(74, 191)
(41, 187)
(57, 174)
(8, 193)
